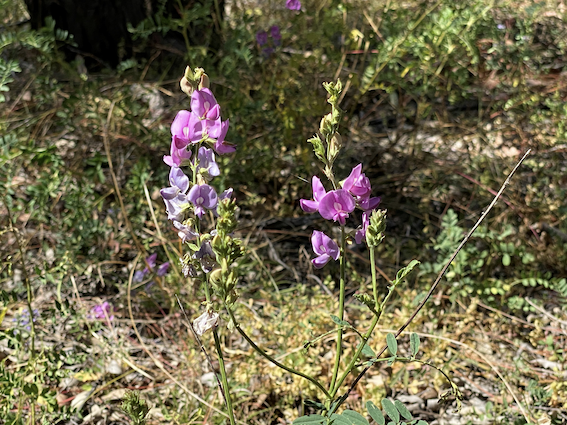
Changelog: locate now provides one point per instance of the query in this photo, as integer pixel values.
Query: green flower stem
(341, 312)
(368, 333)
(271, 359)
(224, 380)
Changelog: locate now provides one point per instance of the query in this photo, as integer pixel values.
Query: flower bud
(325, 127)
(186, 86)
(375, 231)
(216, 276)
(204, 83)
(335, 146)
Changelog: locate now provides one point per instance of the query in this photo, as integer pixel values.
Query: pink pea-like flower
(325, 248)
(203, 197)
(177, 157)
(336, 205)
(357, 183)
(180, 130)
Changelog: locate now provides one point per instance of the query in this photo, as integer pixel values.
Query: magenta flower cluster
(193, 129)
(336, 205)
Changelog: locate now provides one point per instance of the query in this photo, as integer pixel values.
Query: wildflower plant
(206, 219)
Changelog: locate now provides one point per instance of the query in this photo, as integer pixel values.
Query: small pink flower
(357, 183)
(336, 205)
(325, 248)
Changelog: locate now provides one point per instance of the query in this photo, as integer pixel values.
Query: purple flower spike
(293, 4)
(325, 248)
(336, 205)
(206, 161)
(203, 197)
(180, 130)
(261, 38)
(177, 157)
(357, 183)
(318, 194)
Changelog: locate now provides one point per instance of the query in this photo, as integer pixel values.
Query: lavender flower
(174, 197)
(203, 197)
(207, 164)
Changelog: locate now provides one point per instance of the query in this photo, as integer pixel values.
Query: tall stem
(224, 379)
(341, 312)
(368, 333)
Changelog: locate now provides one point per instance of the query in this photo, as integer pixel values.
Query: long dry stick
(438, 280)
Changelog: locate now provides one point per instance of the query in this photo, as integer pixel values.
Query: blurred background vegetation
(443, 97)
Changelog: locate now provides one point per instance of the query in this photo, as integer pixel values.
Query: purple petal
(179, 129)
(162, 270)
(336, 205)
(353, 176)
(178, 179)
(318, 189)
(368, 204)
(308, 206)
(320, 261)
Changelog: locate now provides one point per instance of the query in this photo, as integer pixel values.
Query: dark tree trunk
(100, 27)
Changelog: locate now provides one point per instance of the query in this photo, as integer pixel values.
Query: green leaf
(421, 422)
(375, 413)
(392, 344)
(414, 344)
(340, 322)
(402, 273)
(506, 260)
(309, 420)
(355, 418)
(339, 420)
(391, 410)
(367, 351)
(403, 410)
